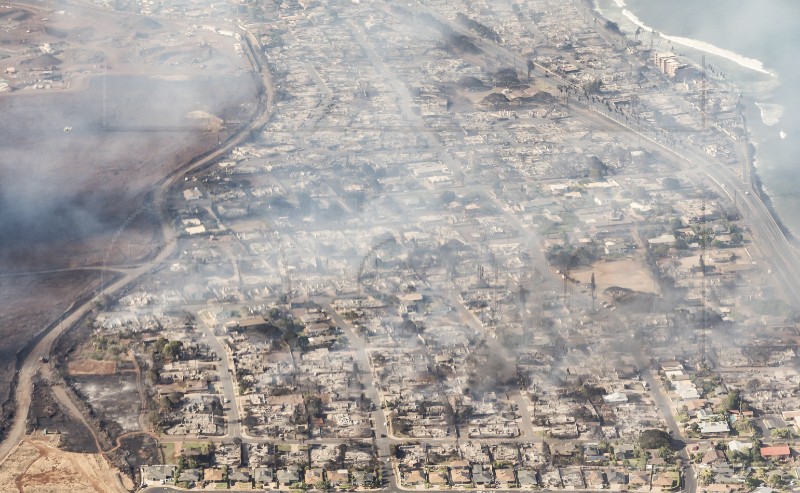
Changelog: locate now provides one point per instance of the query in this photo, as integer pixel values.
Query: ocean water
(753, 43)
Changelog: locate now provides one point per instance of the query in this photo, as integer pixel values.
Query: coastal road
(770, 239)
(33, 360)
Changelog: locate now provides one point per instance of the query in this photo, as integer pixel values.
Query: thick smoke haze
(431, 179)
(763, 30)
(77, 163)
(68, 171)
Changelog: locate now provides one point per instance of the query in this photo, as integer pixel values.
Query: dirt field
(626, 273)
(173, 450)
(37, 466)
(91, 367)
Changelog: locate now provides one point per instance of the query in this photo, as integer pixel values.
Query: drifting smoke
(762, 33)
(68, 171)
(75, 164)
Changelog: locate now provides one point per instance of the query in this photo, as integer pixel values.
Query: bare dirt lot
(38, 466)
(91, 367)
(626, 273)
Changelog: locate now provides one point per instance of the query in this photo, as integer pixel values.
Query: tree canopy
(733, 401)
(654, 439)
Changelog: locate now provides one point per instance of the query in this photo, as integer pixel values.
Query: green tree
(667, 454)
(775, 480)
(705, 476)
(654, 439)
(173, 349)
(780, 432)
(752, 483)
(733, 401)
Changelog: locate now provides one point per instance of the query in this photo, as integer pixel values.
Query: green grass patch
(169, 452)
(201, 447)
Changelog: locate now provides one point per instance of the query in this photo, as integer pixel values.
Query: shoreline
(756, 182)
(695, 44)
(743, 61)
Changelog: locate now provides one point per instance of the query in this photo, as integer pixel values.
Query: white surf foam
(748, 63)
(632, 17)
(770, 113)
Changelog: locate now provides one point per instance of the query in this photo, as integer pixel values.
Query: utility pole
(703, 240)
(703, 94)
(286, 273)
(105, 97)
(592, 285)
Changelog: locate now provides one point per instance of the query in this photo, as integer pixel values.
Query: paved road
(770, 240)
(226, 379)
(383, 439)
(528, 433)
(30, 366)
(32, 363)
(663, 403)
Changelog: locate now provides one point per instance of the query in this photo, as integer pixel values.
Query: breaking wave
(748, 63)
(770, 113)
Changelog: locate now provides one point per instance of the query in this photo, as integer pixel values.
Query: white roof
(192, 194)
(665, 239)
(688, 394)
(714, 427)
(738, 446)
(616, 397)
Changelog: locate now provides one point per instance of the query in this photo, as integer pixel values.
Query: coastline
(756, 182)
(746, 62)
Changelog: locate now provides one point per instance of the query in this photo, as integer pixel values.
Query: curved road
(31, 365)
